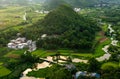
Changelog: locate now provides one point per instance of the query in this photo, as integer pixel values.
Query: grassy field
(15, 53)
(8, 15)
(98, 50)
(5, 70)
(43, 53)
(109, 65)
(39, 74)
(12, 16)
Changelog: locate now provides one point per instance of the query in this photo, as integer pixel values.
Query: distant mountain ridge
(50, 4)
(82, 3)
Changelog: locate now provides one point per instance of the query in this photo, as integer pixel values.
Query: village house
(43, 36)
(21, 43)
(42, 12)
(32, 46)
(46, 12)
(85, 73)
(77, 9)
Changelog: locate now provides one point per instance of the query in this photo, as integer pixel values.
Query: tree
(94, 65)
(115, 52)
(29, 58)
(57, 72)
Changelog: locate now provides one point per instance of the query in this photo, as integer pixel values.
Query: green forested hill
(64, 28)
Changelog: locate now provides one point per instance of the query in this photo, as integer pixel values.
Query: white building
(12, 45)
(20, 46)
(43, 36)
(42, 12)
(45, 12)
(32, 46)
(77, 9)
(21, 43)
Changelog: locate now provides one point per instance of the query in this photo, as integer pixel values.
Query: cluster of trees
(54, 72)
(5, 36)
(113, 73)
(62, 72)
(111, 15)
(18, 66)
(115, 53)
(110, 70)
(64, 28)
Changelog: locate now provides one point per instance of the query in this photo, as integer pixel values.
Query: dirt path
(107, 55)
(24, 16)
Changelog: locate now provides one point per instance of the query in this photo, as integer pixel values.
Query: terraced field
(12, 16)
(5, 70)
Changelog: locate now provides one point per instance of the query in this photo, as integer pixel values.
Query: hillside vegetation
(64, 28)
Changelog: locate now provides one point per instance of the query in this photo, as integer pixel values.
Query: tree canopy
(64, 28)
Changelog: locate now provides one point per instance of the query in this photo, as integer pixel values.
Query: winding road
(107, 55)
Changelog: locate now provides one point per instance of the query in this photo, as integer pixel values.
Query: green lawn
(12, 17)
(1, 63)
(105, 27)
(4, 71)
(39, 74)
(43, 53)
(98, 49)
(109, 65)
(8, 16)
(15, 52)
(3, 51)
